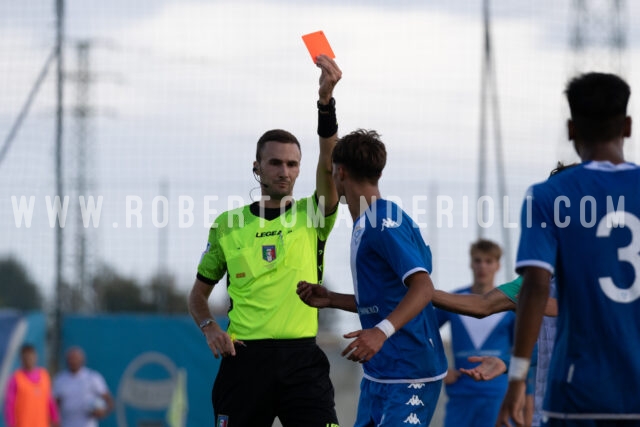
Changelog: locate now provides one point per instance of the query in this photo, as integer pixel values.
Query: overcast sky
(183, 89)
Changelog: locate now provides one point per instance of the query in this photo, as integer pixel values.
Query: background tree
(116, 293)
(16, 288)
(163, 295)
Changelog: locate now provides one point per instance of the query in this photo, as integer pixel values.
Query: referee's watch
(206, 322)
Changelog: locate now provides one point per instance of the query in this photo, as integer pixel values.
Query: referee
(271, 365)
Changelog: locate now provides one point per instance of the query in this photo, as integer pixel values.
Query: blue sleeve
(442, 316)
(538, 243)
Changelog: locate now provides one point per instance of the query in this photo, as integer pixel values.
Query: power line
(489, 101)
(56, 336)
(35, 88)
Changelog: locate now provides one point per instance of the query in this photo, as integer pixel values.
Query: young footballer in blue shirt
(399, 344)
(583, 226)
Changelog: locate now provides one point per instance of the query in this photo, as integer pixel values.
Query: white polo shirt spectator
(82, 393)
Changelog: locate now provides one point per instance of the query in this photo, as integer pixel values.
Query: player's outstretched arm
(218, 340)
(328, 133)
(489, 368)
(320, 297)
(478, 306)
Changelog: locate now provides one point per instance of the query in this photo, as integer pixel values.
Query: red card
(317, 44)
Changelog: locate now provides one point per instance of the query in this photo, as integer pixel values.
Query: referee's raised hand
(329, 78)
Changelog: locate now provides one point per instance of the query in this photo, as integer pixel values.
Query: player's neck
(360, 197)
(610, 151)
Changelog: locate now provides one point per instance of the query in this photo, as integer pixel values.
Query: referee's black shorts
(288, 379)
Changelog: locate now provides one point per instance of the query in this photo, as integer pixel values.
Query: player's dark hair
(362, 153)
(598, 104)
(277, 135)
(486, 247)
(561, 167)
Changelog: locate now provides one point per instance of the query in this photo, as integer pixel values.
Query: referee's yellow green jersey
(264, 261)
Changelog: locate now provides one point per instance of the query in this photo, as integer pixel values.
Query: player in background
(272, 366)
(399, 344)
(582, 226)
(476, 403)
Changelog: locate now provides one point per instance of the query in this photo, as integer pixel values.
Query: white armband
(386, 327)
(518, 368)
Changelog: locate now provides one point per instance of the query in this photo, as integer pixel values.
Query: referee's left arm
(218, 340)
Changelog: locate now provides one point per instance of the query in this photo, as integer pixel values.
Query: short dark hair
(486, 247)
(277, 135)
(561, 167)
(362, 153)
(598, 104)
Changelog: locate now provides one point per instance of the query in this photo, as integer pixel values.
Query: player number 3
(629, 253)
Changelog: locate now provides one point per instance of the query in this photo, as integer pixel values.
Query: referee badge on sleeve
(205, 251)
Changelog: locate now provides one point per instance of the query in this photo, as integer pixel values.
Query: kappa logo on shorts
(269, 253)
(222, 421)
(415, 401)
(412, 419)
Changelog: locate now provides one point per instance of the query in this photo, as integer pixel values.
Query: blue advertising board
(159, 369)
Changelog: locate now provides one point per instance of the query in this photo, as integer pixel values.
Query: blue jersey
(490, 336)
(386, 248)
(583, 226)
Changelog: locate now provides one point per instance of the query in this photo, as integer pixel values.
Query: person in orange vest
(28, 398)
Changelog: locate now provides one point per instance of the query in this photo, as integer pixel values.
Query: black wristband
(331, 106)
(327, 121)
